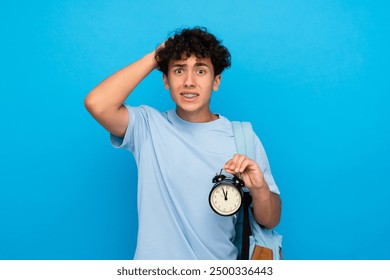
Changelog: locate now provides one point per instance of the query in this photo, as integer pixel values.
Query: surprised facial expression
(191, 82)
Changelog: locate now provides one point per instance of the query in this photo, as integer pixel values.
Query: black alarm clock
(226, 195)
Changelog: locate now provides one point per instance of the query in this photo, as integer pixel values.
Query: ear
(217, 82)
(166, 82)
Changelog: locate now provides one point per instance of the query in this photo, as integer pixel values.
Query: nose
(189, 81)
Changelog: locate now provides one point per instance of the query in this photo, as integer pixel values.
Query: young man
(178, 152)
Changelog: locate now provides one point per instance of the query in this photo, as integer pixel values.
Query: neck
(196, 117)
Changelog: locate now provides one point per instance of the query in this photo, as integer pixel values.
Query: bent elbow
(92, 106)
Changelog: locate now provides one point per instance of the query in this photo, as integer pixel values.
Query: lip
(191, 98)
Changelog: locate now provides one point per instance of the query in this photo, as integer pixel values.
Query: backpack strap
(246, 226)
(244, 138)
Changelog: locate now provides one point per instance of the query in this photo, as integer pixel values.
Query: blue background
(312, 76)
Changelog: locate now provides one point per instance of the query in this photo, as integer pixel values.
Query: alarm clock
(226, 195)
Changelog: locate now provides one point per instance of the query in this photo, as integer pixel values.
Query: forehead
(191, 61)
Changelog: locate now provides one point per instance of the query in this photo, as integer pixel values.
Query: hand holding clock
(266, 205)
(248, 169)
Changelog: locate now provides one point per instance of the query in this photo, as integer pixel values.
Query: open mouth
(189, 95)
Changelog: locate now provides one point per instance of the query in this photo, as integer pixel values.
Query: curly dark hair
(193, 41)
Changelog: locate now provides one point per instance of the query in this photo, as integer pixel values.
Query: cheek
(173, 95)
(172, 84)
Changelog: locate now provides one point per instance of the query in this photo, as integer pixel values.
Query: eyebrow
(197, 64)
(178, 65)
(201, 64)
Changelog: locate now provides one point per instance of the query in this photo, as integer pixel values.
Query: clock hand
(225, 194)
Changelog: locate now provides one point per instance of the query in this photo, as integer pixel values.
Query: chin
(189, 109)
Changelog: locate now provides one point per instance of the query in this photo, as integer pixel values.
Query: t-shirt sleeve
(262, 161)
(136, 132)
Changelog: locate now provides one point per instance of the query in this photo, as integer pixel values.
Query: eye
(178, 71)
(201, 72)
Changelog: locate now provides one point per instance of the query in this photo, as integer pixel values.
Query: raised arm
(105, 101)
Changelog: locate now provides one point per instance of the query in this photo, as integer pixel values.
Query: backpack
(252, 240)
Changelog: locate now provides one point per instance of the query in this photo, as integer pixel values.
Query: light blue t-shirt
(176, 162)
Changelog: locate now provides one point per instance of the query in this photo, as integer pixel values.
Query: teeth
(189, 95)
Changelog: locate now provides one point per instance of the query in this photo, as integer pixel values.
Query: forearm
(111, 93)
(105, 102)
(266, 207)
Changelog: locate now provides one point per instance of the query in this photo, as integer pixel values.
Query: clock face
(225, 199)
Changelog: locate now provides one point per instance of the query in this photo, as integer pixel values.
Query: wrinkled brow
(197, 64)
